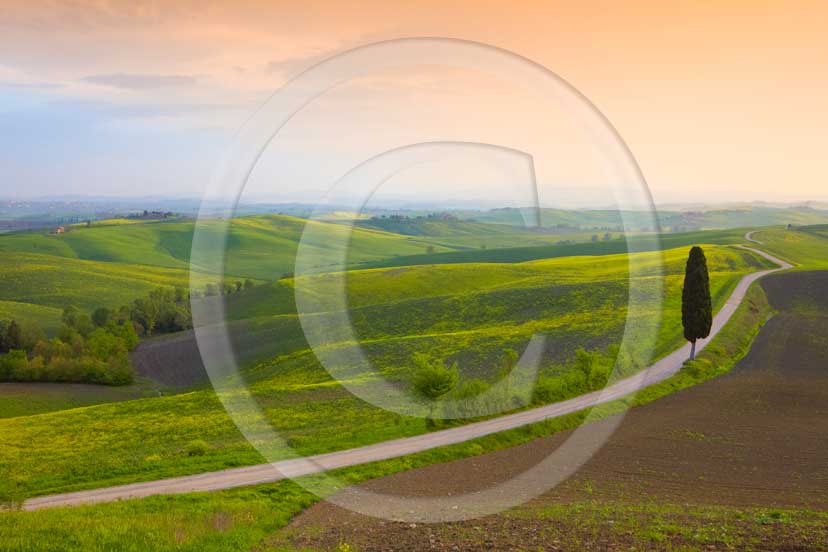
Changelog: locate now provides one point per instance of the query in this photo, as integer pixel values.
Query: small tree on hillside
(432, 380)
(696, 304)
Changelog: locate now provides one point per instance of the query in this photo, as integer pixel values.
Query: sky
(718, 101)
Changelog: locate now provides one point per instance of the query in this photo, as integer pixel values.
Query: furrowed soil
(694, 470)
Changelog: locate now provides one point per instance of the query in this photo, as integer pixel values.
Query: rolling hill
(577, 302)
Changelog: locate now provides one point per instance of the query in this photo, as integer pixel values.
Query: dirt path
(749, 237)
(251, 475)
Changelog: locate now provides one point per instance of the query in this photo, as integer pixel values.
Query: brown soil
(173, 361)
(752, 438)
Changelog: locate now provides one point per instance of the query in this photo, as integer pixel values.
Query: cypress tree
(696, 305)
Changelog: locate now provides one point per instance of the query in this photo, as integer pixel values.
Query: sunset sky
(718, 101)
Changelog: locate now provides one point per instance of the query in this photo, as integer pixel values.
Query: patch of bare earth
(750, 440)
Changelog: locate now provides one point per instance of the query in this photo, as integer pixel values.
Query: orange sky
(724, 99)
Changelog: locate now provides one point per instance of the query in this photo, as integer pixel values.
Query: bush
(549, 390)
(13, 364)
(432, 380)
(197, 448)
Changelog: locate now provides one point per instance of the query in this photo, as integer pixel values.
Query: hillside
(590, 248)
(700, 218)
(147, 438)
(261, 247)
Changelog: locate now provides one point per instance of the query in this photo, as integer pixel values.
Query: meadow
(703, 218)
(483, 308)
(42, 272)
(41, 285)
(248, 517)
(614, 246)
(464, 305)
(259, 247)
(806, 246)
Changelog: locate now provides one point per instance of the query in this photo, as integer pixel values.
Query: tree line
(81, 352)
(95, 348)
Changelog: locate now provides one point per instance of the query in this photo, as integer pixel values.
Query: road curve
(265, 473)
(749, 237)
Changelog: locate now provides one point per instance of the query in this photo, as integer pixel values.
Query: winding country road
(265, 473)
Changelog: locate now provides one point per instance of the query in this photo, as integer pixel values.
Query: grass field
(753, 215)
(148, 438)
(477, 235)
(56, 282)
(523, 254)
(47, 318)
(261, 247)
(807, 247)
(244, 518)
(457, 305)
(27, 399)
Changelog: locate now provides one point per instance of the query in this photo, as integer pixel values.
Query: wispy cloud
(140, 82)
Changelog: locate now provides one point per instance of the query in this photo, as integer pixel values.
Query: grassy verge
(238, 519)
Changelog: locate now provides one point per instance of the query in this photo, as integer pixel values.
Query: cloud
(140, 82)
(292, 65)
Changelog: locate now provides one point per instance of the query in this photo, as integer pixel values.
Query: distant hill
(684, 220)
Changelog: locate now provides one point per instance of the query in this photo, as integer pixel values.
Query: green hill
(702, 218)
(258, 247)
(464, 313)
(601, 247)
(461, 234)
(56, 282)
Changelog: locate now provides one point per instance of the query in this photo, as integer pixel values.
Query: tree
(248, 284)
(432, 380)
(101, 316)
(430, 249)
(696, 304)
(70, 315)
(4, 332)
(14, 336)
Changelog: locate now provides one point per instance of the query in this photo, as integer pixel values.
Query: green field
(250, 517)
(478, 235)
(261, 247)
(460, 303)
(701, 219)
(806, 247)
(483, 309)
(56, 282)
(610, 247)
(47, 318)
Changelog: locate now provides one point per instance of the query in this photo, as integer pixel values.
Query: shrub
(197, 447)
(13, 364)
(101, 316)
(549, 390)
(432, 380)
